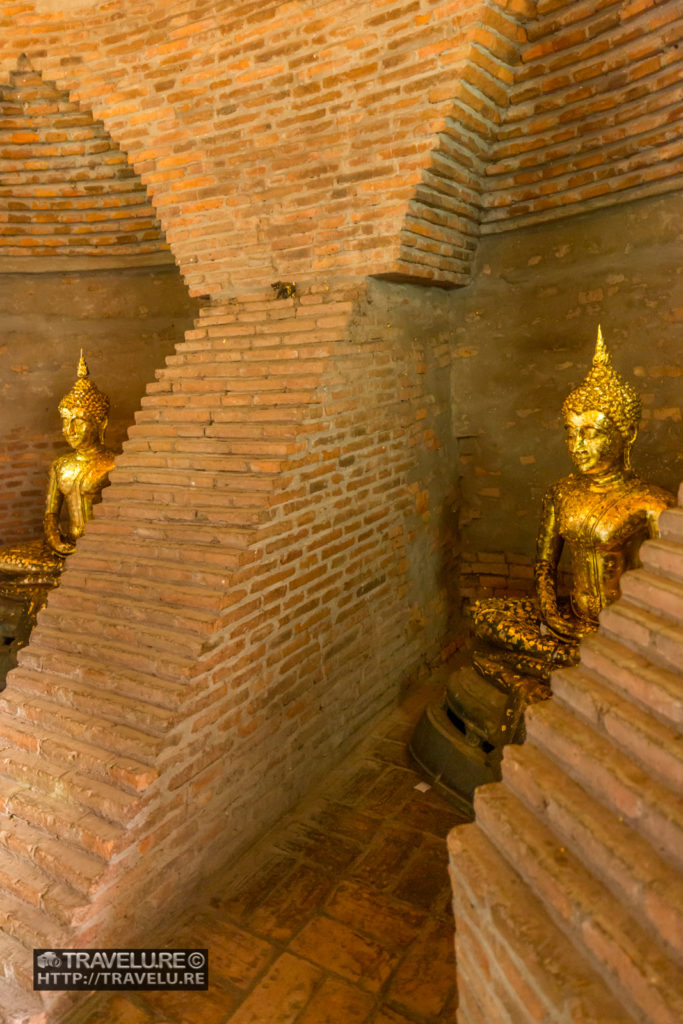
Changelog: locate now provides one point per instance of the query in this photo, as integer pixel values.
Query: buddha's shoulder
(564, 488)
(652, 495)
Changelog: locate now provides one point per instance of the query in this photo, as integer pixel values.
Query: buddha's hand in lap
(568, 627)
(54, 537)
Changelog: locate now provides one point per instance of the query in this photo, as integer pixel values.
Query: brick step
(491, 900)
(191, 622)
(97, 762)
(136, 217)
(62, 189)
(654, 689)
(644, 978)
(65, 165)
(609, 848)
(144, 466)
(648, 634)
(16, 972)
(124, 220)
(152, 589)
(87, 685)
(235, 488)
(197, 449)
(48, 641)
(97, 172)
(660, 594)
(198, 626)
(182, 570)
(671, 524)
(31, 855)
(90, 143)
(663, 558)
(57, 820)
(209, 506)
(33, 928)
(20, 121)
(106, 626)
(57, 780)
(128, 203)
(20, 1005)
(609, 775)
(656, 746)
(104, 733)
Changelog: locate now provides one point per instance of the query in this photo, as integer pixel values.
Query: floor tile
(287, 908)
(337, 947)
(386, 856)
(374, 914)
(340, 915)
(425, 979)
(235, 955)
(211, 1007)
(281, 996)
(338, 1002)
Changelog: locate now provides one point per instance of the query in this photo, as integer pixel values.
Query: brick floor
(341, 915)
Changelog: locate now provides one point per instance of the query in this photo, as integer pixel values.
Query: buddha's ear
(103, 428)
(629, 439)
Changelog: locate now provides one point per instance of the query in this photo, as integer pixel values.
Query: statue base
(458, 743)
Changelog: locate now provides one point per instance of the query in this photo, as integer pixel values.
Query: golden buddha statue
(601, 513)
(29, 570)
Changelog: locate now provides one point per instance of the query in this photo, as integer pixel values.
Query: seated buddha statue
(30, 569)
(600, 513)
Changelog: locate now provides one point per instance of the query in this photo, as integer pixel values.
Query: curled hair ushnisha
(85, 398)
(606, 391)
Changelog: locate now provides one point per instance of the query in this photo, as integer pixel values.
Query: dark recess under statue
(601, 513)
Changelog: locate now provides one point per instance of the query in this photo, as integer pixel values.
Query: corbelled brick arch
(277, 141)
(594, 115)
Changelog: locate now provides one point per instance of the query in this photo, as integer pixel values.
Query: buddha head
(84, 411)
(601, 417)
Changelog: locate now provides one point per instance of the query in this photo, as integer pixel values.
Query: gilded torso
(603, 528)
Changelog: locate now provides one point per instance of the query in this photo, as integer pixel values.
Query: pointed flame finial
(82, 367)
(602, 356)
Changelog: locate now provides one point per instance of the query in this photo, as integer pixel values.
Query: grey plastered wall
(524, 336)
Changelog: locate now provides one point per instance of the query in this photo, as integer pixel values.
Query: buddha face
(79, 430)
(595, 445)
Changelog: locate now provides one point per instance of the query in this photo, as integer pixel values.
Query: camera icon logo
(48, 959)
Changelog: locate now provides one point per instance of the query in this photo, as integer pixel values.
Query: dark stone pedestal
(458, 743)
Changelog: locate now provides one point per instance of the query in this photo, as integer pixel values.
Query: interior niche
(83, 264)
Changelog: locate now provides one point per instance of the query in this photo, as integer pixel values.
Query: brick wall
(594, 114)
(249, 595)
(361, 137)
(275, 556)
(66, 188)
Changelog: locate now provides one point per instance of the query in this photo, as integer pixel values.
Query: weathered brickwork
(567, 889)
(255, 586)
(66, 189)
(367, 136)
(277, 554)
(594, 114)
